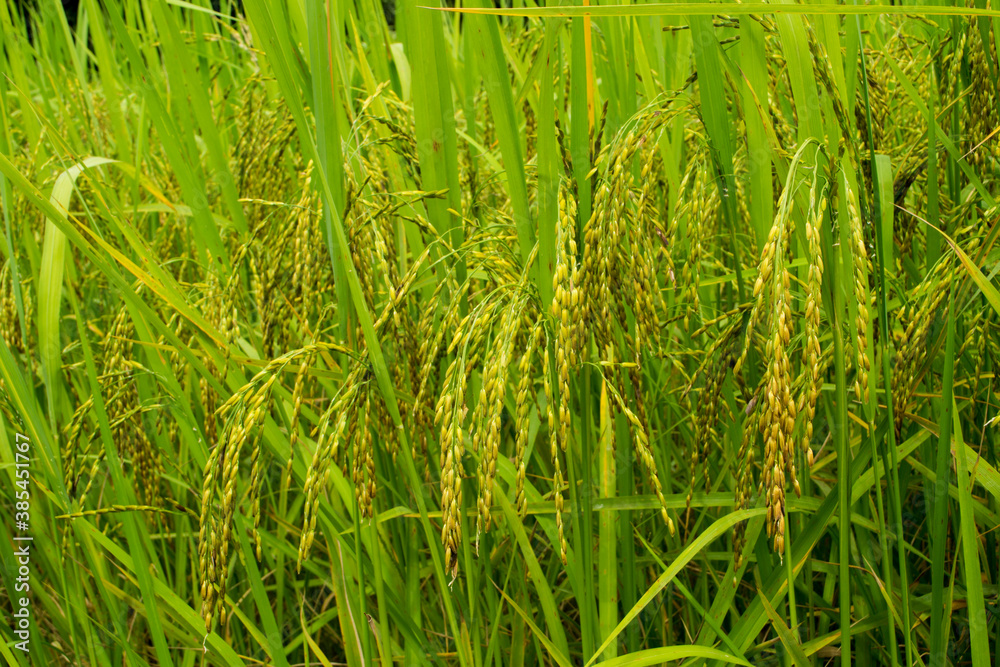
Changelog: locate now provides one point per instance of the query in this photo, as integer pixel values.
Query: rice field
(355, 333)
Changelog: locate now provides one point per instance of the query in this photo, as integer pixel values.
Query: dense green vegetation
(662, 335)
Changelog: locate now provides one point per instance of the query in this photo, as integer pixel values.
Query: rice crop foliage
(359, 333)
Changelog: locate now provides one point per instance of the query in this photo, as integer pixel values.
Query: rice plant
(346, 333)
